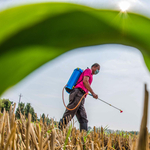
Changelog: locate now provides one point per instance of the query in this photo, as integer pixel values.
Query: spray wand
(108, 104)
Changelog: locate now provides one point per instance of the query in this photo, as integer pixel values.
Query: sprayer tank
(73, 79)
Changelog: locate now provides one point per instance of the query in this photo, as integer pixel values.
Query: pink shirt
(87, 72)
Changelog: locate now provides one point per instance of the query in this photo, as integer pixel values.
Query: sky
(119, 82)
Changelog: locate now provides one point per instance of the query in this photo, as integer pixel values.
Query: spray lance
(108, 104)
(71, 84)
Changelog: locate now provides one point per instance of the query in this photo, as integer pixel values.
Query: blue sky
(120, 81)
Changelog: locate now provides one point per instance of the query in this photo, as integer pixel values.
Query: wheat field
(22, 134)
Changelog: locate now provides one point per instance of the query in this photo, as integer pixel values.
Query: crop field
(22, 134)
(19, 134)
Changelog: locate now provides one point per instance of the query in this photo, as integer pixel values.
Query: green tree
(46, 119)
(33, 114)
(30, 109)
(43, 117)
(5, 103)
(25, 109)
(21, 107)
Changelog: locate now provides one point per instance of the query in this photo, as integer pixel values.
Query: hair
(95, 65)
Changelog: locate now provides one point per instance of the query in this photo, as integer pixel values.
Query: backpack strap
(79, 81)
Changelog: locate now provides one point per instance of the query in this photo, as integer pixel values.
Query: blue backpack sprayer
(71, 84)
(73, 79)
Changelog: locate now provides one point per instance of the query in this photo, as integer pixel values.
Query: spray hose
(81, 100)
(78, 102)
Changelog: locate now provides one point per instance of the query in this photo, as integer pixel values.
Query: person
(82, 86)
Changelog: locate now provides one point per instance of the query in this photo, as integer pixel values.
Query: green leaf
(34, 34)
(85, 137)
(49, 131)
(106, 127)
(40, 127)
(68, 134)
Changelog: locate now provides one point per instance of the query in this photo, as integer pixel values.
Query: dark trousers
(80, 112)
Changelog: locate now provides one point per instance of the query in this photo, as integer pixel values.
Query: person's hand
(95, 96)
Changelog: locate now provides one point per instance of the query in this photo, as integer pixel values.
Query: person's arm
(88, 87)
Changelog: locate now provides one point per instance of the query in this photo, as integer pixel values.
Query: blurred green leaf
(34, 34)
(40, 127)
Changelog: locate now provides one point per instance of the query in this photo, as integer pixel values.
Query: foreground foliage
(34, 34)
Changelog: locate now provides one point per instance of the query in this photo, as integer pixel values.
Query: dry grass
(24, 135)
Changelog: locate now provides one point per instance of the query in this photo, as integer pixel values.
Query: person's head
(95, 68)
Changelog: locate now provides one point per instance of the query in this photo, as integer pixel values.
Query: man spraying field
(81, 88)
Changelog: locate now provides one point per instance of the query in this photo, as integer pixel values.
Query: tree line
(27, 108)
(24, 109)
